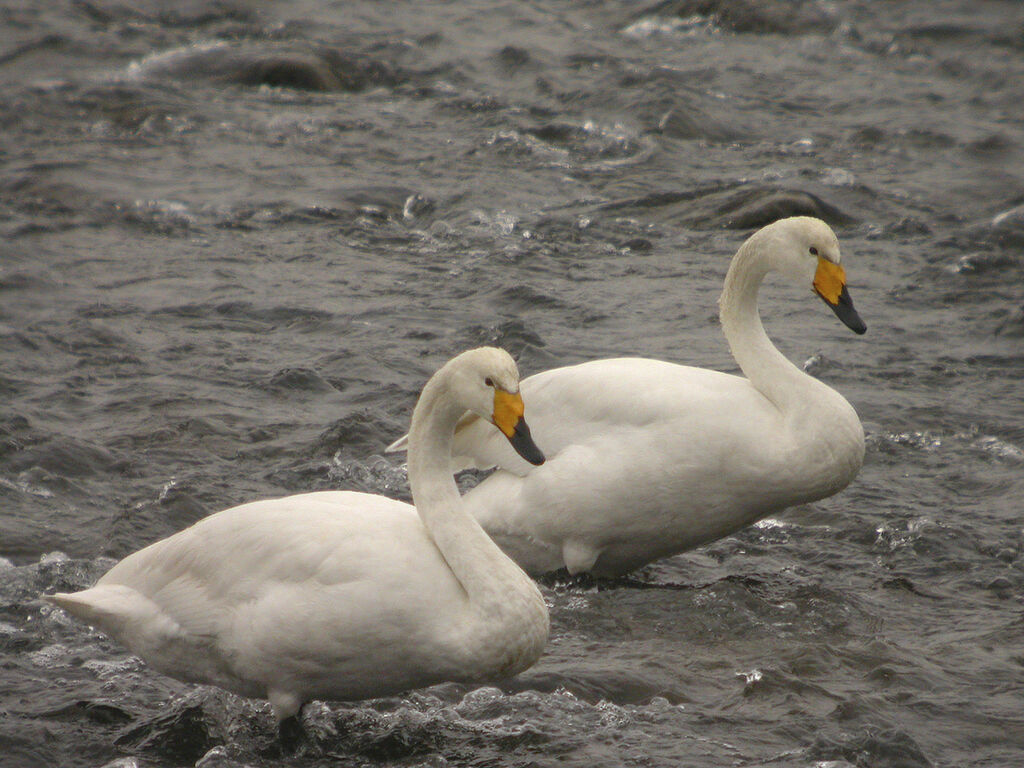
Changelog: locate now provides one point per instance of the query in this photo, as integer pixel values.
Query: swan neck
(485, 572)
(430, 438)
(820, 433)
(770, 372)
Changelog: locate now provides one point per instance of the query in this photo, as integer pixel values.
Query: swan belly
(608, 513)
(331, 595)
(661, 459)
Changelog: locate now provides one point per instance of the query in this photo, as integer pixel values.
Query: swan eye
(488, 382)
(814, 251)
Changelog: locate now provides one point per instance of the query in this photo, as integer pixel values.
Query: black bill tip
(524, 445)
(844, 311)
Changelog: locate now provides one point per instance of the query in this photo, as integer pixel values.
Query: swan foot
(291, 740)
(287, 709)
(291, 735)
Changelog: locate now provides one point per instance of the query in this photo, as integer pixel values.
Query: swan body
(646, 458)
(340, 595)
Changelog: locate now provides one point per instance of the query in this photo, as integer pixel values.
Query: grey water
(237, 237)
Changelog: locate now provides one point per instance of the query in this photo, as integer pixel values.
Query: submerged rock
(730, 207)
(695, 123)
(758, 206)
(755, 16)
(310, 69)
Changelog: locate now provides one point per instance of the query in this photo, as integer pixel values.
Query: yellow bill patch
(829, 280)
(508, 410)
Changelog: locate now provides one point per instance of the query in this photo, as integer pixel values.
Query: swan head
(806, 249)
(486, 382)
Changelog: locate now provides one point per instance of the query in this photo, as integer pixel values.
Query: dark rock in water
(695, 123)
(307, 70)
(558, 133)
(730, 206)
(638, 244)
(301, 71)
(978, 263)
(874, 747)
(758, 206)
(755, 16)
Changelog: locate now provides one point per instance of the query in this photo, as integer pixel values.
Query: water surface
(237, 238)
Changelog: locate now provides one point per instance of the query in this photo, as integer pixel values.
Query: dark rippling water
(237, 237)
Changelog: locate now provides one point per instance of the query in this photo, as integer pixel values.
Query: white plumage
(339, 595)
(646, 458)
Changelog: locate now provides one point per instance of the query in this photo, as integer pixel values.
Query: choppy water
(237, 237)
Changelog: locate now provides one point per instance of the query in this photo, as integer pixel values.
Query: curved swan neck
(771, 373)
(429, 453)
(484, 571)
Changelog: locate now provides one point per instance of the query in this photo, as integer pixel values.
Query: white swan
(340, 595)
(646, 459)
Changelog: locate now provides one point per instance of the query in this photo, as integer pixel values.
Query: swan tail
(459, 463)
(151, 632)
(116, 609)
(466, 423)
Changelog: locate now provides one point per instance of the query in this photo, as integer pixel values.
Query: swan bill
(844, 311)
(508, 417)
(522, 441)
(830, 284)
